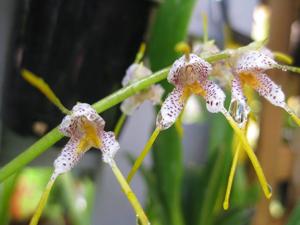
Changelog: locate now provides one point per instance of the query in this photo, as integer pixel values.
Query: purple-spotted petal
(185, 72)
(109, 146)
(254, 61)
(134, 73)
(68, 157)
(267, 52)
(238, 108)
(68, 126)
(214, 97)
(237, 90)
(71, 124)
(170, 109)
(269, 90)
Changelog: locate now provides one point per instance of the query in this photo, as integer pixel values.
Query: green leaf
(294, 218)
(170, 27)
(214, 193)
(240, 216)
(168, 169)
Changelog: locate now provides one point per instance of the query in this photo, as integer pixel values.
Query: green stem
(54, 135)
(138, 162)
(141, 216)
(119, 125)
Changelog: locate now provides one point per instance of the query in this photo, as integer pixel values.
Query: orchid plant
(191, 74)
(85, 128)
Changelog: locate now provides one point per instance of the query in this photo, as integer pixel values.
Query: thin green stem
(130, 194)
(120, 124)
(205, 27)
(231, 176)
(54, 135)
(138, 162)
(288, 68)
(42, 203)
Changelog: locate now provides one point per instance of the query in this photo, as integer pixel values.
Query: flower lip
(185, 72)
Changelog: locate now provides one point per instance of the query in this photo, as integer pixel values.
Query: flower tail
(129, 194)
(281, 57)
(245, 145)
(143, 154)
(42, 203)
(231, 176)
(42, 86)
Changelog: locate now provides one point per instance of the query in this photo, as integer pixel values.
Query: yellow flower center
(250, 79)
(194, 88)
(90, 138)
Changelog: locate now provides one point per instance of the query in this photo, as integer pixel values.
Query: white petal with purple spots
(254, 61)
(171, 109)
(214, 97)
(269, 90)
(185, 72)
(109, 146)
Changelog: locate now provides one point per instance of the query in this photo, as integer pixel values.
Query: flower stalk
(138, 162)
(42, 203)
(120, 124)
(231, 176)
(130, 194)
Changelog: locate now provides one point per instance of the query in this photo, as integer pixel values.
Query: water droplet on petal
(239, 112)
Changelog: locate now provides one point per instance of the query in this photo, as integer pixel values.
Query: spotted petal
(185, 71)
(238, 108)
(71, 124)
(254, 61)
(109, 146)
(237, 90)
(214, 97)
(171, 109)
(269, 90)
(68, 157)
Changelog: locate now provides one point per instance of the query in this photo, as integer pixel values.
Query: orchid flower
(154, 93)
(248, 67)
(189, 75)
(85, 129)
(134, 73)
